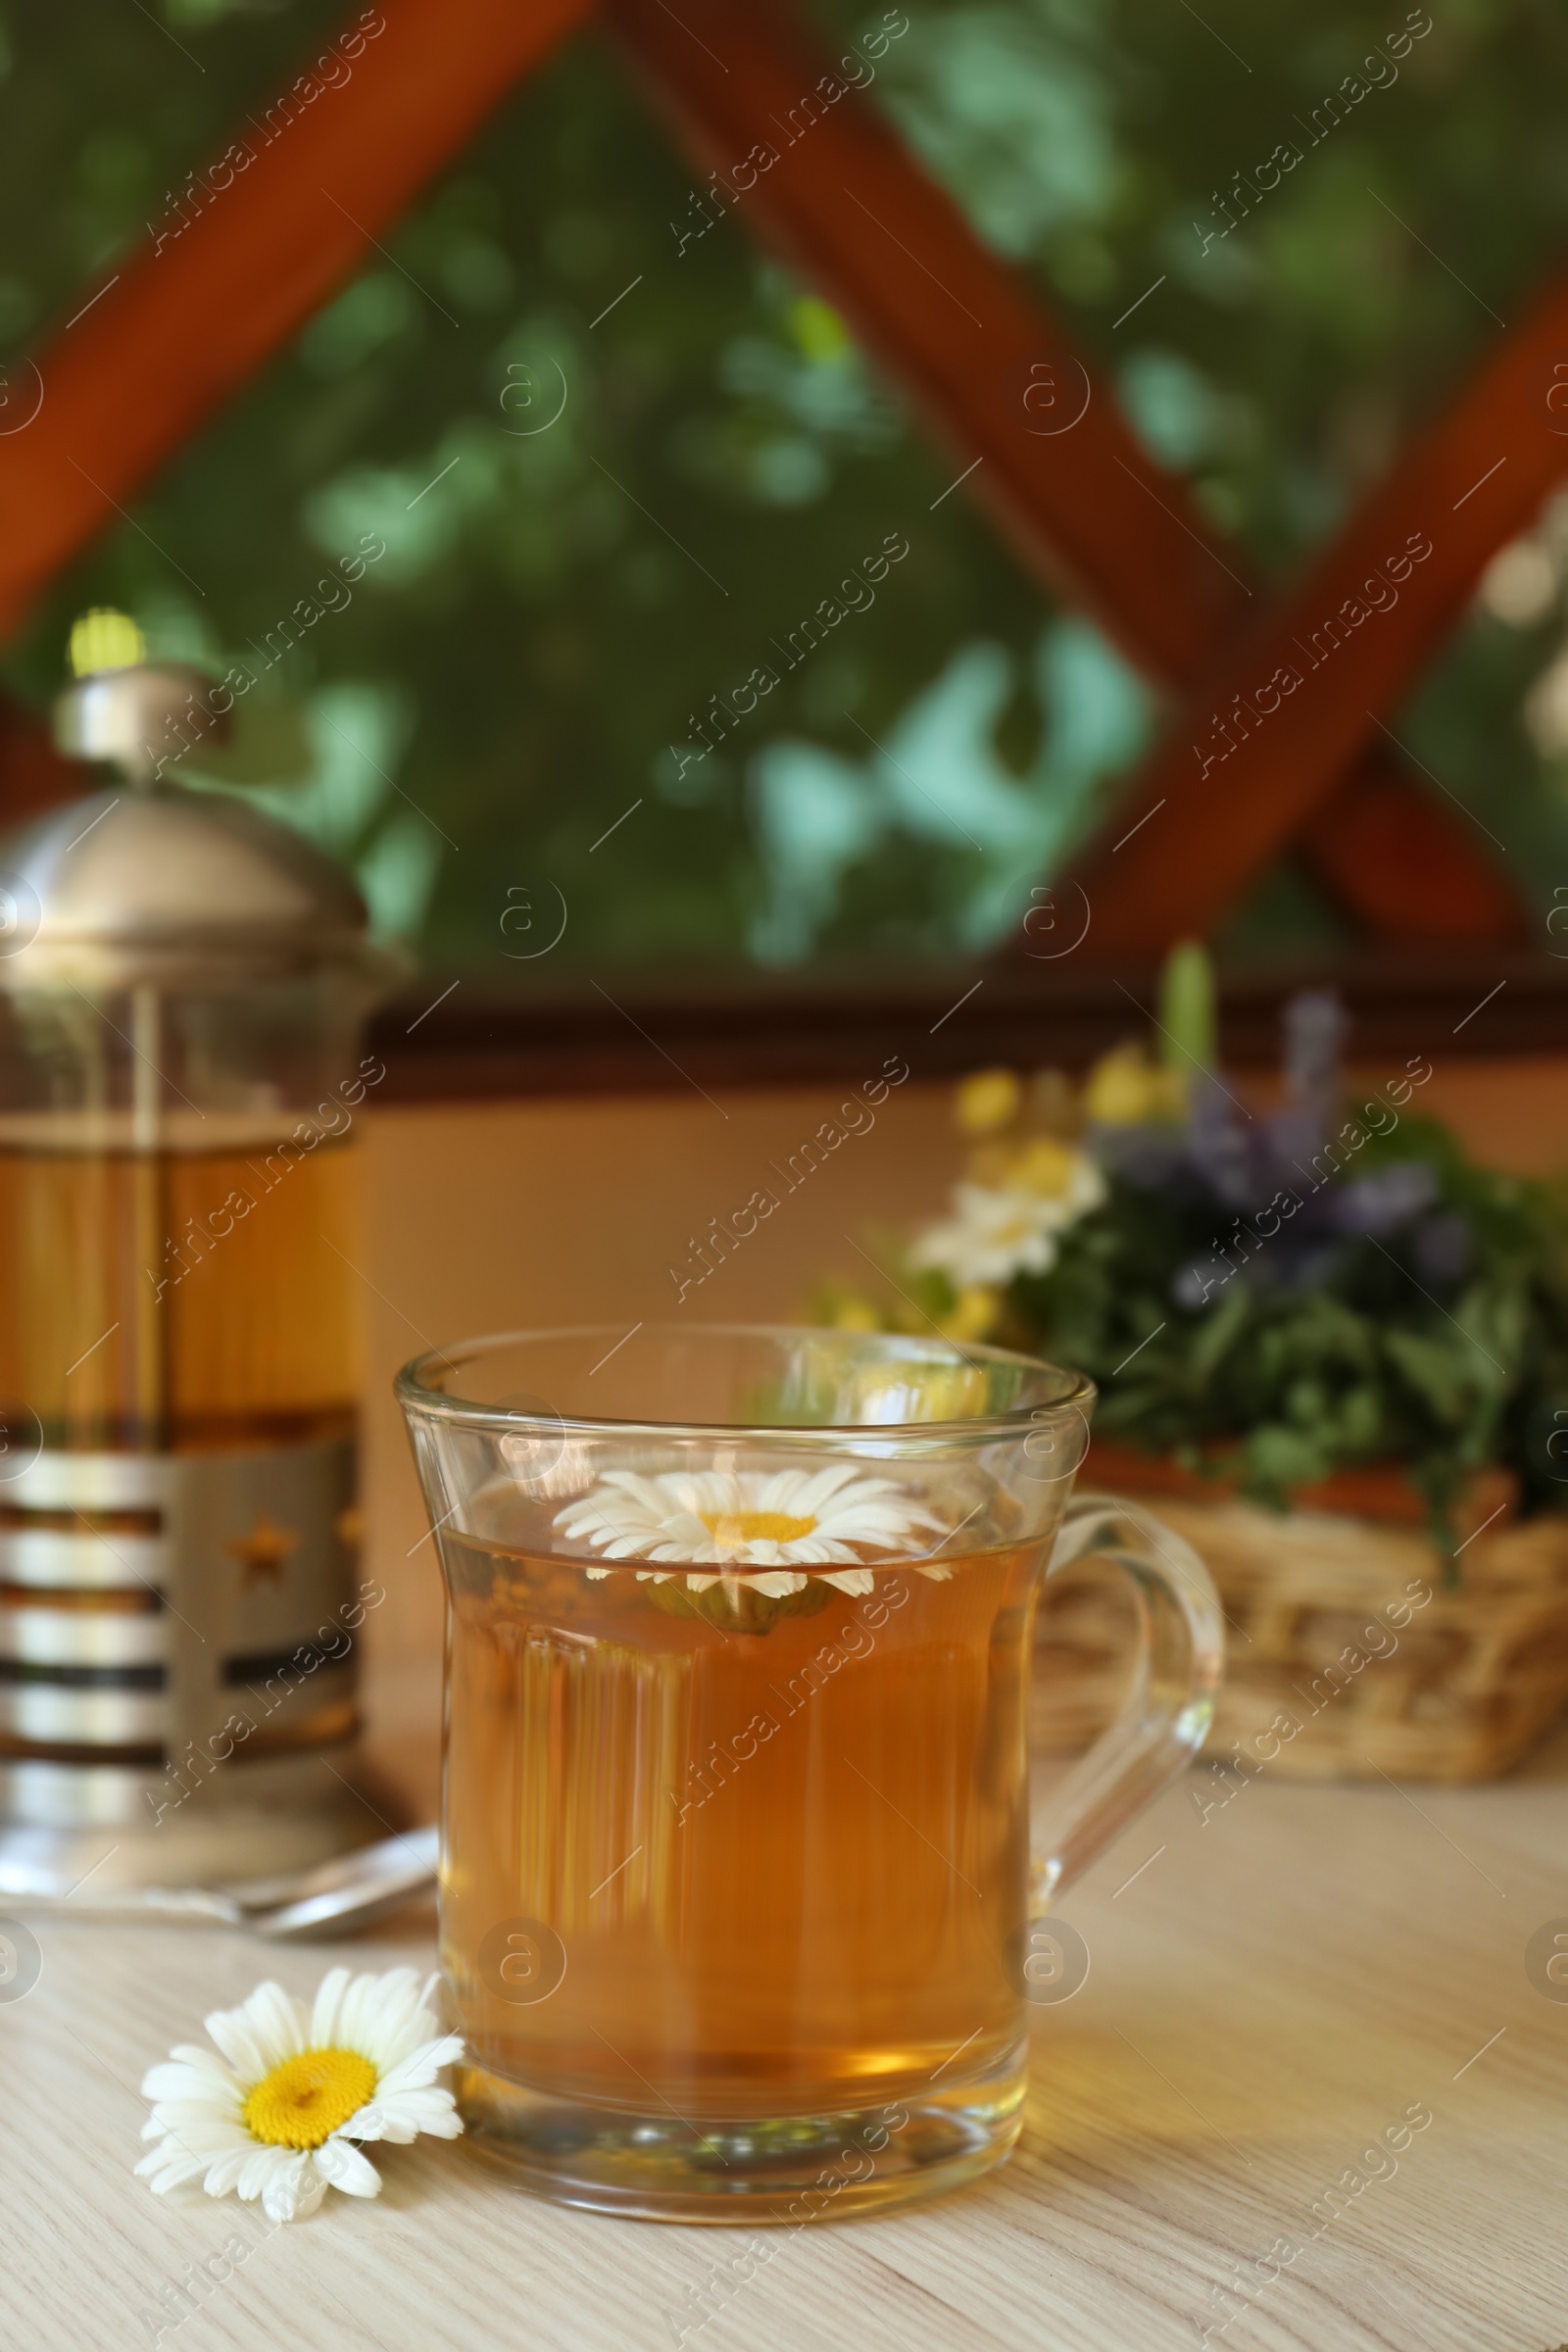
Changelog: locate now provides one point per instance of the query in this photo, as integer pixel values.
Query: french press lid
(147, 881)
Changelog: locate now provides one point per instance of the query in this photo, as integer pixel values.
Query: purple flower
(1380, 1203)
(1217, 1145)
(1314, 1031)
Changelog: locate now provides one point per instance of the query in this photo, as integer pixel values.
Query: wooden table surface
(1282, 1984)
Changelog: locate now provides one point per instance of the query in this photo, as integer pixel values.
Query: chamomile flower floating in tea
(768, 1524)
(275, 2110)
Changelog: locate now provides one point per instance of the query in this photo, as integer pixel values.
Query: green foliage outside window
(559, 602)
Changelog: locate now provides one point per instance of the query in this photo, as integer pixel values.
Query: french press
(182, 982)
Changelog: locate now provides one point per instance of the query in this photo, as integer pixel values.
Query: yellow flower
(1048, 1168)
(972, 1316)
(986, 1100)
(1043, 1167)
(1125, 1089)
(856, 1314)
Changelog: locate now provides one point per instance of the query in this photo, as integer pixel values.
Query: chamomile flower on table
(277, 2108)
(764, 1528)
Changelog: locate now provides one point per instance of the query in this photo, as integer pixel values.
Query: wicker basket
(1329, 1631)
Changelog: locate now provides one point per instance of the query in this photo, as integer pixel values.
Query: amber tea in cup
(738, 1873)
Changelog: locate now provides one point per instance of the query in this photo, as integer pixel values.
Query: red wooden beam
(33, 776)
(1296, 700)
(843, 201)
(1407, 862)
(181, 326)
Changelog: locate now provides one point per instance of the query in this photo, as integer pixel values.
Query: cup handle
(1169, 1707)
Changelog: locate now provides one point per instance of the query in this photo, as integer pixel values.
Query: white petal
(230, 2031)
(329, 2002)
(425, 2104)
(225, 2171)
(405, 2115)
(420, 2068)
(415, 2038)
(375, 2123)
(647, 1492)
(418, 2100)
(294, 2189)
(277, 2021)
(204, 2061)
(258, 2169)
(665, 1547)
(818, 1489)
(715, 1491)
(439, 2127)
(168, 2167)
(262, 2032)
(853, 1580)
(396, 2021)
(345, 2168)
(217, 2140)
(784, 1493)
(196, 2125)
(219, 2087)
(684, 1527)
(374, 2011)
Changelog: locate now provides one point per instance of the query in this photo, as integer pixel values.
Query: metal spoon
(347, 1893)
(332, 1899)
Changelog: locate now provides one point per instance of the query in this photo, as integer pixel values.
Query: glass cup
(743, 1907)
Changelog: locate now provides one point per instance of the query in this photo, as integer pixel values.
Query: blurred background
(559, 601)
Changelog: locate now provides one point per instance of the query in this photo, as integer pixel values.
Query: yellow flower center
(731, 1529)
(305, 2098)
